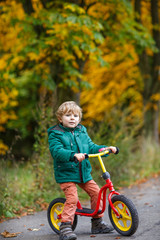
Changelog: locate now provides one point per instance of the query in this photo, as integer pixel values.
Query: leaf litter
(7, 234)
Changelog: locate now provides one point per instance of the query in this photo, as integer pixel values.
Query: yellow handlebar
(99, 154)
(100, 159)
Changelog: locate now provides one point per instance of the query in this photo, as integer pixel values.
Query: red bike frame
(103, 191)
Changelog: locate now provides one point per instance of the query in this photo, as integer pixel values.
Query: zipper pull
(71, 143)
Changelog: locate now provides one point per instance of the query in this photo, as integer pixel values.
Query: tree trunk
(27, 6)
(150, 74)
(81, 64)
(156, 65)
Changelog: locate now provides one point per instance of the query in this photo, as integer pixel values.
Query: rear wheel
(128, 221)
(54, 214)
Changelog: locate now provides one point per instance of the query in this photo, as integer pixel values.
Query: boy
(68, 143)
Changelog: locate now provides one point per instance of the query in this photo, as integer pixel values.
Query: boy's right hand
(80, 156)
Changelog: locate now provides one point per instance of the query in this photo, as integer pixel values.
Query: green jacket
(63, 144)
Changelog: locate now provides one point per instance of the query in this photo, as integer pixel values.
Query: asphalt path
(146, 197)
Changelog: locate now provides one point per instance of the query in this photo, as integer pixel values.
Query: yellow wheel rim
(123, 223)
(56, 210)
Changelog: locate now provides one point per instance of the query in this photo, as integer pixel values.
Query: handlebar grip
(117, 150)
(109, 150)
(76, 160)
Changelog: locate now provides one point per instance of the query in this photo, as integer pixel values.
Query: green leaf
(69, 83)
(98, 37)
(49, 83)
(8, 214)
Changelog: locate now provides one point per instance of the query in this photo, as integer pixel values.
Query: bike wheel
(128, 221)
(54, 214)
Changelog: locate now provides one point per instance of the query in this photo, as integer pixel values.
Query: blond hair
(69, 107)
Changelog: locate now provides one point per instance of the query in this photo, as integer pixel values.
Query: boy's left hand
(113, 149)
(80, 156)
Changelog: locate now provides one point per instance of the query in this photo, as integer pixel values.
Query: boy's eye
(76, 115)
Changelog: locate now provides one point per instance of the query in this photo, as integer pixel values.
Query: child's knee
(73, 200)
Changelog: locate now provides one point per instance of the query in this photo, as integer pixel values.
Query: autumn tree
(119, 87)
(51, 41)
(56, 49)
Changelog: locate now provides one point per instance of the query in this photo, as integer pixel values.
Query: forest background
(105, 55)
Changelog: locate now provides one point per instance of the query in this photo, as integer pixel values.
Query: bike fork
(110, 202)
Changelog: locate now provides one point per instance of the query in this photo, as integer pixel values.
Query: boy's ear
(60, 120)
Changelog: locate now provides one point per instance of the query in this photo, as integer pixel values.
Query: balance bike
(122, 212)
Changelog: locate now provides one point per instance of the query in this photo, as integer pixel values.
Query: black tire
(55, 208)
(128, 223)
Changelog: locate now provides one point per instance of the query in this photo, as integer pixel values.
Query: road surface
(146, 197)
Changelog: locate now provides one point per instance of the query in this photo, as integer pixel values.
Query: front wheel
(54, 214)
(128, 221)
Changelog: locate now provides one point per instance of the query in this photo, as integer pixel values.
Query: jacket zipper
(80, 164)
(80, 171)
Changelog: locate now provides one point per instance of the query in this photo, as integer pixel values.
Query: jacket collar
(70, 129)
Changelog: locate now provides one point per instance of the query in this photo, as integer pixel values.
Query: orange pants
(70, 191)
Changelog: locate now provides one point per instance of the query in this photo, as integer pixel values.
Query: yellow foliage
(87, 31)
(155, 97)
(73, 8)
(145, 14)
(37, 5)
(2, 64)
(3, 148)
(8, 33)
(33, 56)
(111, 86)
(7, 101)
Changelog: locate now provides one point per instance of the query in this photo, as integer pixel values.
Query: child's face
(70, 120)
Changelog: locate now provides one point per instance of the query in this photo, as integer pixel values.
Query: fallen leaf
(43, 205)
(30, 213)
(24, 214)
(117, 238)
(29, 229)
(7, 234)
(92, 235)
(33, 229)
(141, 194)
(42, 224)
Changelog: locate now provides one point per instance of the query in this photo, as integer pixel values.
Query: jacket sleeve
(57, 149)
(93, 148)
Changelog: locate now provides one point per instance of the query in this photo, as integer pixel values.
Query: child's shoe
(66, 232)
(99, 226)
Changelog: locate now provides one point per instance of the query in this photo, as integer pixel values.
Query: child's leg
(92, 189)
(98, 225)
(70, 191)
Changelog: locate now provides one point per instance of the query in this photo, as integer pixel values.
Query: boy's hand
(113, 149)
(80, 156)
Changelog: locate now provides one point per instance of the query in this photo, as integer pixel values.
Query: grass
(29, 187)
